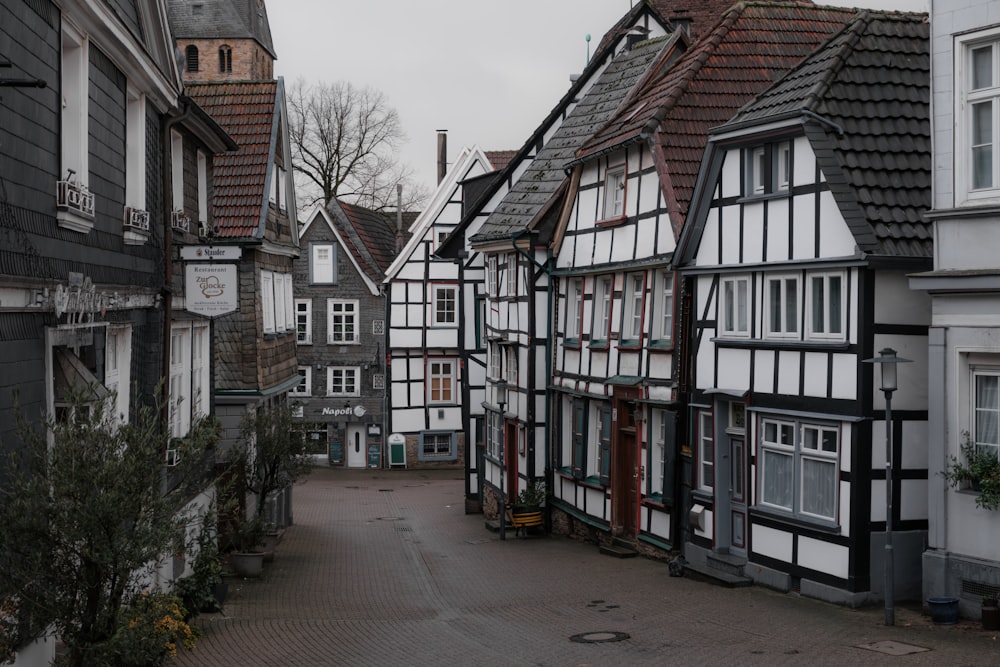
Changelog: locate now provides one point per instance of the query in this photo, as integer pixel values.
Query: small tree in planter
(979, 470)
(532, 496)
(273, 456)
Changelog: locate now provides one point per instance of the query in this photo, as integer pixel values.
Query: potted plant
(531, 497)
(204, 589)
(977, 469)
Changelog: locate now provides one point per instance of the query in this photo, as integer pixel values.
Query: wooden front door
(510, 459)
(624, 464)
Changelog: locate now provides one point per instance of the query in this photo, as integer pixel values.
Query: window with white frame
(177, 169)
(635, 289)
(494, 361)
(289, 315)
(494, 433)
(510, 364)
(444, 304)
(768, 167)
(512, 274)
(267, 300)
(825, 305)
(735, 314)
(664, 307)
(614, 193)
(179, 381)
(342, 321)
(202, 188)
(781, 303)
(706, 451)
(574, 309)
(304, 387)
(604, 293)
(117, 362)
(491, 276)
(978, 114)
(658, 453)
(201, 344)
(75, 77)
(986, 416)
(323, 264)
(303, 321)
(441, 381)
(135, 150)
(343, 381)
(799, 468)
(437, 445)
(280, 294)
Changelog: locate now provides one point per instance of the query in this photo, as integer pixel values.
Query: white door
(357, 452)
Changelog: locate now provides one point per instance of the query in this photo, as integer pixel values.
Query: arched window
(225, 58)
(191, 56)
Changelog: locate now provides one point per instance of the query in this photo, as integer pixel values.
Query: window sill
(599, 345)
(655, 500)
(592, 482)
(73, 221)
(573, 343)
(662, 345)
(611, 222)
(795, 522)
(782, 343)
(630, 345)
(779, 194)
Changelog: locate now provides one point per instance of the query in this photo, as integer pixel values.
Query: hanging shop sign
(217, 253)
(212, 289)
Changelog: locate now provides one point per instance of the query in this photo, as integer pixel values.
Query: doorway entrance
(625, 470)
(354, 443)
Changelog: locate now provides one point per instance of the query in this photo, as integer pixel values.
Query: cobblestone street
(385, 568)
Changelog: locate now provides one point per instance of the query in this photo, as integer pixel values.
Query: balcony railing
(137, 219)
(75, 196)
(180, 221)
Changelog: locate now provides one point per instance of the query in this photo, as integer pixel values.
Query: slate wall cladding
(22, 367)
(29, 119)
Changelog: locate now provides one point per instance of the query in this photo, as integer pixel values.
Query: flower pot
(944, 610)
(991, 615)
(247, 563)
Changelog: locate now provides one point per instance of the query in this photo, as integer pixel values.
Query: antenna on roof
(588, 48)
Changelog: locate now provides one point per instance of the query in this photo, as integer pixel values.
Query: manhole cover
(893, 648)
(599, 637)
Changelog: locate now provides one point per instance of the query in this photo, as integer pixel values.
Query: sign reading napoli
(212, 289)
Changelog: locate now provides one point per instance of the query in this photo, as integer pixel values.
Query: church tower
(223, 40)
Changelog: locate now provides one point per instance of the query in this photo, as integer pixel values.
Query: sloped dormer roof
(247, 111)
(869, 90)
(530, 196)
(221, 19)
(753, 44)
(369, 235)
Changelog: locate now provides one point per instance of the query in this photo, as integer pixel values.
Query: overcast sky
(486, 71)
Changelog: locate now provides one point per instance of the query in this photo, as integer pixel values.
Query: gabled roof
(221, 19)
(753, 44)
(247, 111)
(329, 216)
(530, 196)
(699, 15)
(642, 13)
(468, 161)
(870, 87)
(369, 235)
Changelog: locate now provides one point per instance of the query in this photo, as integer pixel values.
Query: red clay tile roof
(245, 110)
(500, 159)
(369, 235)
(753, 44)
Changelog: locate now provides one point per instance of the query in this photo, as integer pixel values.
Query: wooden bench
(521, 521)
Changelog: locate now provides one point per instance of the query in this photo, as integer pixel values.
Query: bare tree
(344, 141)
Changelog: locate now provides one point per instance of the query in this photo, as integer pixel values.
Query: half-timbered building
(340, 331)
(432, 358)
(963, 356)
(805, 219)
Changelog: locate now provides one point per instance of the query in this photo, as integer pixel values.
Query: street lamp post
(501, 398)
(887, 361)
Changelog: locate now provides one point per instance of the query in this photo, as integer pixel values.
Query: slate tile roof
(752, 45)
(534, 190)
(872, 83)
(370, 235)
(221, 19)
(245, 110)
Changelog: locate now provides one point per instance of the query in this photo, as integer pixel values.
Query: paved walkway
(385, 568)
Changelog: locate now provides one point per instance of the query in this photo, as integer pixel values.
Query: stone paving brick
(385, 568)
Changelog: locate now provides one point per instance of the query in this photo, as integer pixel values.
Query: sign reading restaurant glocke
(212, 289)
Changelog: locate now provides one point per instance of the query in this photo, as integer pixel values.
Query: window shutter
(605, 446)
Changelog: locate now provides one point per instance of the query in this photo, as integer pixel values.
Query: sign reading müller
(212, 289)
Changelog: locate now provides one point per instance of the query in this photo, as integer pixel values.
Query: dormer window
(768, 168)
(191, 57)
(225, 59)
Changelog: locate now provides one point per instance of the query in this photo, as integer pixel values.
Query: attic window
(768, 168)
(197, 8)
(225, 59)
(191, 57)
